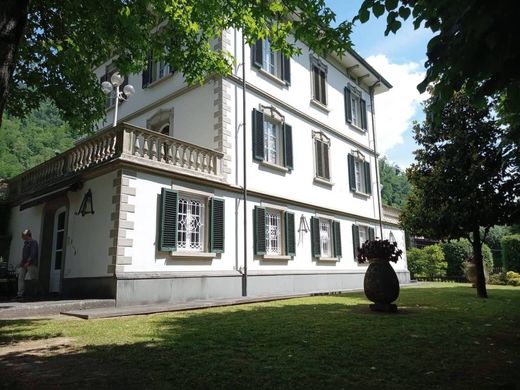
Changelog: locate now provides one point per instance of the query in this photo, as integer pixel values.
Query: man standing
(29, 261)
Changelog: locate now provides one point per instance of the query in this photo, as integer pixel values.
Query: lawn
(444, 337)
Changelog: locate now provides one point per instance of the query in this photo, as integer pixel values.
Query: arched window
(161, 122)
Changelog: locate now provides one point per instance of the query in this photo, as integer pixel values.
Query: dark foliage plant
(379, 249)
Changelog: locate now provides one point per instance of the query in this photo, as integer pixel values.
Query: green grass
(444, 337)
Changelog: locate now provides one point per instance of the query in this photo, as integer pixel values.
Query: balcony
(124, 143)
(391, 214)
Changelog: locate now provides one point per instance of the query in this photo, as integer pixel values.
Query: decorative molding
(123, 201)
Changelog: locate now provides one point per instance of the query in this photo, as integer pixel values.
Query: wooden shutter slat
(336, 229)
(258, 135)
(168, 220)
(326, 169)
(363, 114)
(351, 173)
(217, 235)
(371, 234)
(259, 230)
(286, 69)
(355, 240)
(290, 235)
(348, 106)
(368, 178)
(319, 158)
(257, 52)
(315, 237)
(288, 147)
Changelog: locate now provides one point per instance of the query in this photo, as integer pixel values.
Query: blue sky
(400, 59)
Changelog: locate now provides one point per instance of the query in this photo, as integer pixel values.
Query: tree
(51, 46)
(30, 141)
(395, 185)
(460, 180)
(475, 46)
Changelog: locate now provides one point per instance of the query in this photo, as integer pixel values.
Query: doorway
(58, 250)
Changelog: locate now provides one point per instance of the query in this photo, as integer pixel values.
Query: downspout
(372, 112)
(244, 273)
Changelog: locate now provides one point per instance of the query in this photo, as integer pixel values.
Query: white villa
(159, 208)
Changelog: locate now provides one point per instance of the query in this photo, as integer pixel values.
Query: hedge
(457, 252)
(511, 252)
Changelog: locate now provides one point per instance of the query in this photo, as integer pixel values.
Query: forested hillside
(395, 184)
(27, 142)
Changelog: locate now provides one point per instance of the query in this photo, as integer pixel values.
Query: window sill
(159, 81)
(272, 77)
(361, 194)
(193, 255)
(274, 166)
(323, 181)
(356, 127)
(319, 105)
(323, 258)
(277, 257)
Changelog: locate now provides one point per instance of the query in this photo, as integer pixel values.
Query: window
(155, 70)
(325, 238)
(186, 224)
(274, 233)
(111, 98)
(272, 62)
(272, 142)
(361, 234)
(355, 108)
(319, 81)
(190, 224)
(321, 156)
(161, 121)
(272, 139)
(359, 174)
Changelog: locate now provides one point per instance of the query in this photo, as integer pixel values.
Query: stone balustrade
(126, 143)
(391, 214)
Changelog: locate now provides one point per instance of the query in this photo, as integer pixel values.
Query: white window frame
(359, 174)
(273, 127)
(321, 137)
(363, 232)
(326, 239)
(187, 244)
(272, 60)
(355, 104)
(274, 232)
(320, 97)
(159, 70)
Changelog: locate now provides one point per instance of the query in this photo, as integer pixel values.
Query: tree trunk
(479, 264)
(13, 17)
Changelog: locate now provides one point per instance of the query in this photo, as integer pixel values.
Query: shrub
(493, 240)
(457, 252)
(427, 262)
(497, 278)
(512, 278)
(511, 252)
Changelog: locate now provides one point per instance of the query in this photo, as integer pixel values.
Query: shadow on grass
(318, 342)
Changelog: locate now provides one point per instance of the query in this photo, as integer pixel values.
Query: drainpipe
(244, 273)
(380, 206)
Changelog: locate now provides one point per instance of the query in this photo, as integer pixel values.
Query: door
(58, 250)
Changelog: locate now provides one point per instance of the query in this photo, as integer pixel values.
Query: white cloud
(397, 108)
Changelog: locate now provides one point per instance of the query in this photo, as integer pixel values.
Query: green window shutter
(363, 107)
(368, 178)
(168, 220)
(286, 69)
(288, 147)
(326, 169)
(348, 106)
(290, 236)
(371, 234)
(258, 135)
(355, 240)
(257, 53)
(336, 231)
(351, 173)
(315, 236)
(319, 158)
(147, 72)
(259, 230)
(217, 235)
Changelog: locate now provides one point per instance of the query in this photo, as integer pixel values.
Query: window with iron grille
(190, 224)
(325, 238)
(273, 232)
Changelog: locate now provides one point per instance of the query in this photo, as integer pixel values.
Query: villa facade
(152, 210)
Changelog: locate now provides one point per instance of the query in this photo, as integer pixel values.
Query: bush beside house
(511, 252)
(457, 252)
(427, 262)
